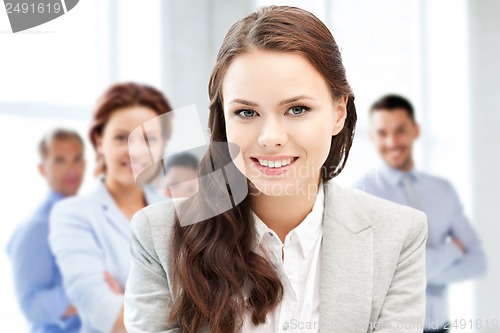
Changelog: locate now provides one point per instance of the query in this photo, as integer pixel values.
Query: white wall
(484, 36)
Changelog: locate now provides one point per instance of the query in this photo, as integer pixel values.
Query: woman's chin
(272, 188)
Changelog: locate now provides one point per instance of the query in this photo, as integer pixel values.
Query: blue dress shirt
(37, 278)
(89, 236)
(445, 262)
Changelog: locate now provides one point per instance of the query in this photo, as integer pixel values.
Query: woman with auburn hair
(298, 253)
(90, 234)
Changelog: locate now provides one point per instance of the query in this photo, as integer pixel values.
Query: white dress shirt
(299, 272)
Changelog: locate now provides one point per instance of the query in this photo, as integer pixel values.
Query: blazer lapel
(346, 263)
(114, 217)
(113, 214)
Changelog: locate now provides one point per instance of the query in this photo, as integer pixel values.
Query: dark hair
(123, 95)
(183, 160)
(56, 134)
(213, 260)
(392, 102)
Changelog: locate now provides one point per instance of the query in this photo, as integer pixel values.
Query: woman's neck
(128, 198)
(283, 213)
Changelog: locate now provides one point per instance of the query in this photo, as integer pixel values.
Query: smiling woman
(294, 120)
(90, 234)
(299, 250)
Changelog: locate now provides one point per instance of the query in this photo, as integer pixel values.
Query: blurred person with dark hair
(90, 234)
(181, 172)
(454, 251)
(37, 277)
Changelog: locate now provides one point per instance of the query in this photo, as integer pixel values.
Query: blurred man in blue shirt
(454, 250)
(37, 279)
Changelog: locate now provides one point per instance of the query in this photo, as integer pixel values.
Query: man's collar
(394, 176)
(54, 196)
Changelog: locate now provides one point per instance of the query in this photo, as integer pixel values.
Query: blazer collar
(346, 279)
(341, 207)
(113, 214)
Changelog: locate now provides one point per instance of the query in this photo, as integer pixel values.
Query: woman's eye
(298, 110)
(245, 113)
(121, 138)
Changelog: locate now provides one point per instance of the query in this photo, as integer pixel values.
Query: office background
(442, 54)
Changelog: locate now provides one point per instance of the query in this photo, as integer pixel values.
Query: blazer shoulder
(392, 219)
(153, 224)
(158, 214)
(383, 214)
(79, 205)
(379, 206)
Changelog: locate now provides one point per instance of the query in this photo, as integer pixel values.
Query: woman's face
(279, 110)
(113, 145)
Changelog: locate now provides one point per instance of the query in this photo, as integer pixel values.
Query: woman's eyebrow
(294, 99)
(242, 101)
(120, 130)
(286, 101)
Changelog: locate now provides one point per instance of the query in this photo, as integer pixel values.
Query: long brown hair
(213, 260)
(119, 96)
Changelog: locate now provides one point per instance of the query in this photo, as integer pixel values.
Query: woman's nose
(138, 150)
(273, 133)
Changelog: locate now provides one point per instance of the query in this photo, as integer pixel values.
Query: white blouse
(299, 272)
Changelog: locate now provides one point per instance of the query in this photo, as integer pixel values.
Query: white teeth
(276, 164)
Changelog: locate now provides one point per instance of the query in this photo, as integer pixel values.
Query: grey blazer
(372, 268)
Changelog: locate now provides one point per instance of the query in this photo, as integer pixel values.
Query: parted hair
(213, 260)
(119, 96)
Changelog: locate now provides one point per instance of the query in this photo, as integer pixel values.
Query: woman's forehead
(279, 75)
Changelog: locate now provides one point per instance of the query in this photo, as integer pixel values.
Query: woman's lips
(273, 171)
(137, 168)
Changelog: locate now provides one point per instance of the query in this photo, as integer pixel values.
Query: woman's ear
(41, 169)
(98, 144)
(340, 115)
